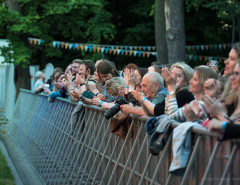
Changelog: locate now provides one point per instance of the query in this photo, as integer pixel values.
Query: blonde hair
(204, 73)
(187, 70)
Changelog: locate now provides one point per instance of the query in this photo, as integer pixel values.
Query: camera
(116, 108)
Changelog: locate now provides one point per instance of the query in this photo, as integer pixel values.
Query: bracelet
(96, 94)
(144, 99)
(127, 87)
(224, 124)
(172, 92)
(101, 103)
(81, 84)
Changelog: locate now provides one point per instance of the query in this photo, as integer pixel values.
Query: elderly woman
(105, 71)
(178, 85)
(39, 85)
(113, 87)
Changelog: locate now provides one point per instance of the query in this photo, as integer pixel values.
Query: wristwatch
(172, 92)
(81, 84)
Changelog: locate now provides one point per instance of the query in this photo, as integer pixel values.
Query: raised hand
(79, 79)
(211, 87)
(193, 113)
(69, 78)
(169, 79)
(214, 107)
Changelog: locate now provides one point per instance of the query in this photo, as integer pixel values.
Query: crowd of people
(201, 95)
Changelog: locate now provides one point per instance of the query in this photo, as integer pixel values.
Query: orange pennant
(62, 45)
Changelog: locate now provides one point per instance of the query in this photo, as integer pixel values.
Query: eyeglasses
(75, 67)
(234, 74)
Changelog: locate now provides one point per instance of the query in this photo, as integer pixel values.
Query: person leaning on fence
(224, 115)
(62, 91)
(105, 70)
(153, 89)
(84, 88)
(195, 110)
(75, 67)
(115, 87)
(39, 84)
(178, 86)
(230, 63)
(133, 79)
(52, 78)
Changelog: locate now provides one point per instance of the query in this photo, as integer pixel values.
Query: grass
(6, 177)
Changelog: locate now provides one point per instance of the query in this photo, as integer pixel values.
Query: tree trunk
(22, 75)
(160, 32)
(238, 28)
(175, 32)
(22, 78)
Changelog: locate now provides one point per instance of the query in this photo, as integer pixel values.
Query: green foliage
(226, 9)
(6, 176)
(68, 20)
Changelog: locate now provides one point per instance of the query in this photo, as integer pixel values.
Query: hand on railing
(96, 101)
(75, 95)
(47, 91)
(101, 97)
(215, 125)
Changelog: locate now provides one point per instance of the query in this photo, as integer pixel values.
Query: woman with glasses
(226, 116)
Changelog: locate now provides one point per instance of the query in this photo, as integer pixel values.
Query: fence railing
(91, 154)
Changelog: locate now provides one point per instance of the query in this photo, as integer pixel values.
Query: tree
(160, 32)
(175, 32)
(69, 20)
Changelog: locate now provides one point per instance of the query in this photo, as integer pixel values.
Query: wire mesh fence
(88, 153)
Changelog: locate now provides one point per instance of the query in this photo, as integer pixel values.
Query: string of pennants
(205, 58)
(140, 51)
(105, 49)
(209, 47)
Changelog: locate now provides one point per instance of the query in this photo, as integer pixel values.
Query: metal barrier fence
(91, 154)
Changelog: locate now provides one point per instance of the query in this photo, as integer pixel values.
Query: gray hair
(113, 84)
(39, 74)
(79, 61)
(155, 77)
